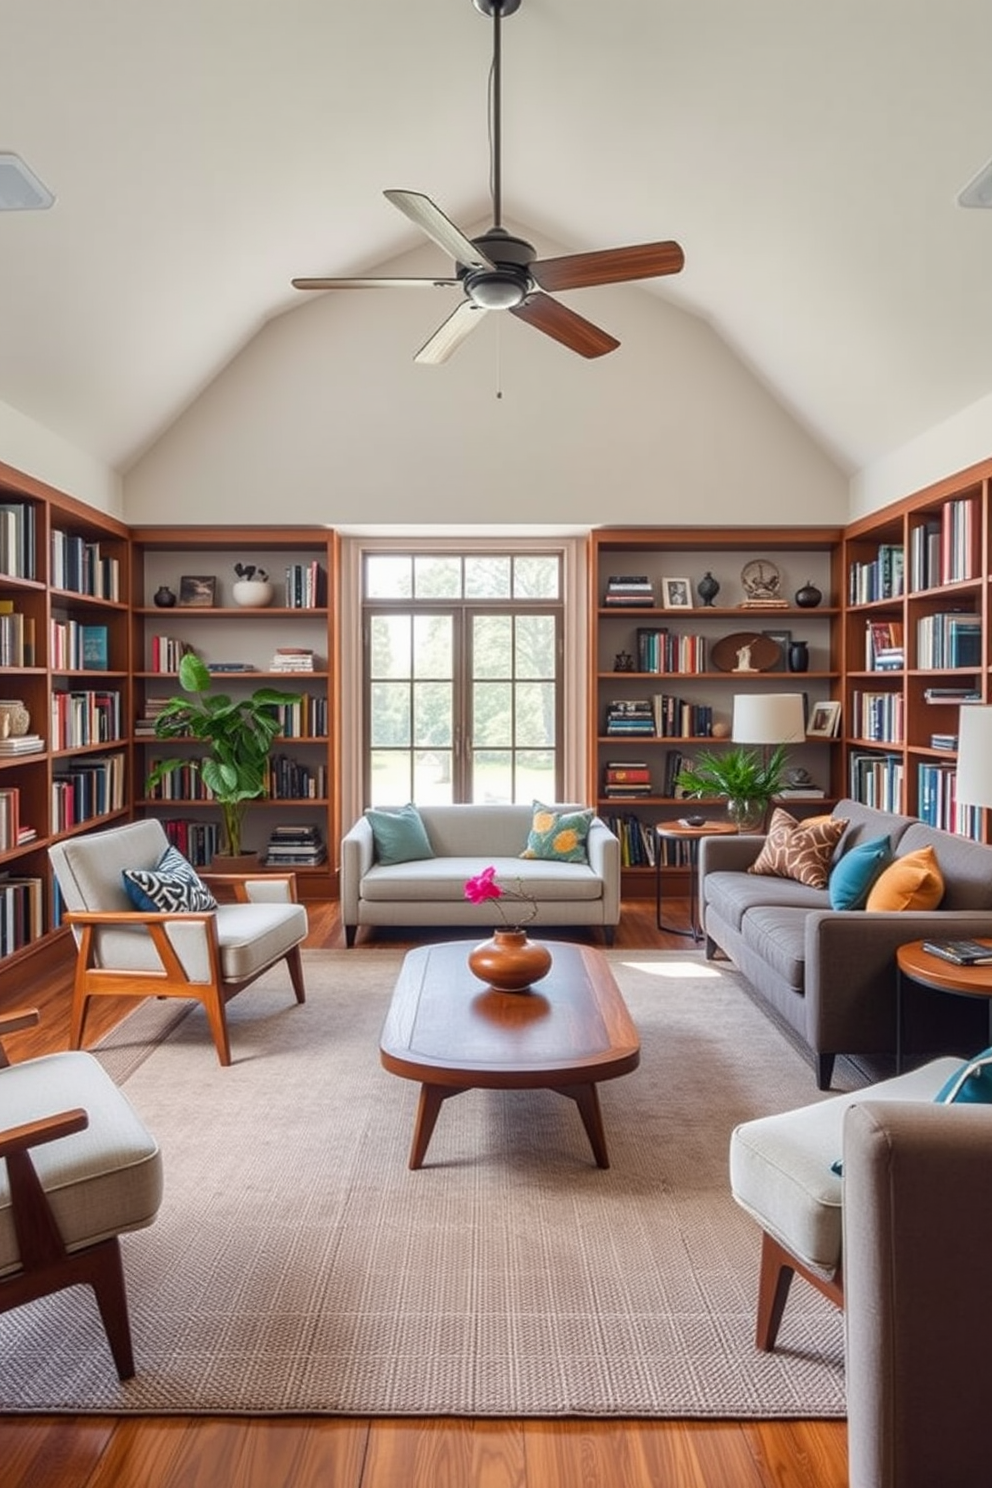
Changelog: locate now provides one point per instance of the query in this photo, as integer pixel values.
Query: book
(94, 645)
(961, 952)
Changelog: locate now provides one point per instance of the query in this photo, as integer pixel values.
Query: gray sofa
(467, 838)
(831, 974)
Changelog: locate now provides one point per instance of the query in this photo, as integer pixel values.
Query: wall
(324, 417)
(27, 446)
(959, 442)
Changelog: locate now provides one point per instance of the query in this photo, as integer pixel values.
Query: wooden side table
(675, 831)
(917, 965)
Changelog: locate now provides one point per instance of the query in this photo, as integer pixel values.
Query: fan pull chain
(499, 358)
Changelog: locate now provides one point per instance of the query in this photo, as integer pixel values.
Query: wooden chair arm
(237, 883)
(47, 1129)
(17, 1019)
(132, 917)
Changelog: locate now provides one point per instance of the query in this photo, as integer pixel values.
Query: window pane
(492, 645)
(389, 714)
(390, 645)
(535, 775)
(492, 714)
(432, 776)
(537, 578)
(432, 646)
(437, 577)
(535, 646)
(389, 778)
(487, 577)
(492, 776)
(535, 720)
(432, 713)
(388, 576)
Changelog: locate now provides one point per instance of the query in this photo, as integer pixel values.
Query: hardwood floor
(331, 1452)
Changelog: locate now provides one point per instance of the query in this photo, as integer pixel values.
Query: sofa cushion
(965, 865)
(800, 850)
(777, 934)
(558, 835)
(400, 835)
(913, 881)
(732, 894)
(173, 886)
(442, 880)
(852, 877)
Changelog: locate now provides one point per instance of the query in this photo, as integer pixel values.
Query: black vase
(808, 597)
(708, 588)
(164, 597)
(799, 656)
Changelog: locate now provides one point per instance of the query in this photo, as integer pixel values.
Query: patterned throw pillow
(913, 881)
(971, 1085)
(173, 886)
(801, 850)
(558, 835)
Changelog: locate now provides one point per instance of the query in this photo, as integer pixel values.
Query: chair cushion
(799, 850)
(400, 836)
(173, 886)
(558, 836)
(852, 877)
(913, 881)
(101, 1181)
(781, 1167)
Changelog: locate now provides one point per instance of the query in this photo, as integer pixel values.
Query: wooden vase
(509, 961)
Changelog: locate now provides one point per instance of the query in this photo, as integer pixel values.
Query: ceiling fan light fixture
(978, 192)
(500, 291)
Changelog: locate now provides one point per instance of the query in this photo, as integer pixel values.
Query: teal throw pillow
(853, 875)
(970, 1085)
(400, 836)
(173, 886)
(558, 835)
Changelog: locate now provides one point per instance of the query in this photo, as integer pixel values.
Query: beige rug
(298, 1266)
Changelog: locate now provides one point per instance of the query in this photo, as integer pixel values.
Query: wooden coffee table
(452, 1033)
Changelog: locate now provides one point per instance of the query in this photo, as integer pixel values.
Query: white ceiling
(805, 153)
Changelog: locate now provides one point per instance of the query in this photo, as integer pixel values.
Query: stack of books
(626, 781)
(21, 744)
(629, 591)
(295, 847)
(292, 659)
(630, 716)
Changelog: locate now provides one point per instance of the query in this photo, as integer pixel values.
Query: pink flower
(484, 887)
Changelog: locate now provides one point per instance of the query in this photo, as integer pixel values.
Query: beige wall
(324, 417)
(26, 445)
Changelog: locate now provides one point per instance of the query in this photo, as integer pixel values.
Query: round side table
(918, 965)
(676, 831)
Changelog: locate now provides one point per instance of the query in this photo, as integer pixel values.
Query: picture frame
(824, 721)
(198, 591)
(676, 594)
(783, 639)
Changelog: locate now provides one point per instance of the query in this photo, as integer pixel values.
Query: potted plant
(748, 779)
(252, 588)
(239, 734)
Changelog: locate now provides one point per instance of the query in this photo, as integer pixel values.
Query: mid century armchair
(78, 1170)
(207, 954)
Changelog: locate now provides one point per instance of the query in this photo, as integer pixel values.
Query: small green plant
(239, 734)
(739, 774)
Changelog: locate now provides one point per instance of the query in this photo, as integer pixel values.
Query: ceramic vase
(164, 597)
(253, 594)
(510, 962)
(799, 656)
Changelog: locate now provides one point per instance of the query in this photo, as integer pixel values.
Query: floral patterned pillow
(558, 835)
(801, 850)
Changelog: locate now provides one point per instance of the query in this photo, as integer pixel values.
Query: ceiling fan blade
(608, 266)
(564, 325)
(432, 221)
(450, 335)
(376, 283)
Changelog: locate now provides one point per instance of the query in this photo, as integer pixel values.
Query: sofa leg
(824, 1070)
(609, 934)
(350, 931)
(710, 949)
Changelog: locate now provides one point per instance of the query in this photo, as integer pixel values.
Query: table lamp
(974, 782)
(769, 718)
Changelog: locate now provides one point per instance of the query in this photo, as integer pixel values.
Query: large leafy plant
(739, 774)
(239, 733)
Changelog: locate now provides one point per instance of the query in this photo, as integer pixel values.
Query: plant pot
(246, 862)
(509, 961)
(253, 594)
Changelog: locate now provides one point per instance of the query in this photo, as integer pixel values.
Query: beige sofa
(831, 973)
(467, 838)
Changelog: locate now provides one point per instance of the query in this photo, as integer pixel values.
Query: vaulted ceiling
(807, 155)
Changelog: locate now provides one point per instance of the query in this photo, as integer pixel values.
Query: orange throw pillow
(801, 850)
(911, 882)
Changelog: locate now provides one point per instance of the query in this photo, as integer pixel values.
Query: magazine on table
(961, 952)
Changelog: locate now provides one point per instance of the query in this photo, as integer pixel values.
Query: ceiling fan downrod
(497, 9)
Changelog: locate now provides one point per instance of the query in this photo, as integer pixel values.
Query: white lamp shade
(974, 785)
(769, 718)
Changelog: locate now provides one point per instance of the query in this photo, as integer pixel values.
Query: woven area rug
(297, 1265)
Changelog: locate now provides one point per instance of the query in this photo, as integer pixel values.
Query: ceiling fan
(499, 271)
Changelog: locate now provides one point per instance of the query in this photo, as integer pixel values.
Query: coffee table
(452, 1033)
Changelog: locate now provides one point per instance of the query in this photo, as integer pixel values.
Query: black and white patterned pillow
(171, 887)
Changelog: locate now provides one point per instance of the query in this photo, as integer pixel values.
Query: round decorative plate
(761, 579)
(760, 652)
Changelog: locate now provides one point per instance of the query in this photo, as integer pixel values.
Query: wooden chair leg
(77, 1018)
(212, 999)
(103, 1268)
(295, 963)
(778, 1266)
